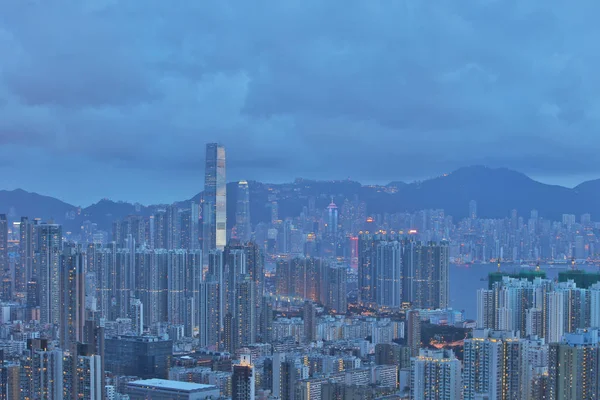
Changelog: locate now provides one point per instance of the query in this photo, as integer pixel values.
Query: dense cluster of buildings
(329, 304)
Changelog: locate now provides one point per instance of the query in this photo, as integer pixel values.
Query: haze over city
(299, 200)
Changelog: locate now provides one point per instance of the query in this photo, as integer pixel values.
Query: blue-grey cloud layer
(117, 98)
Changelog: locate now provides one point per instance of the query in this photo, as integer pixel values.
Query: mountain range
(497, 191)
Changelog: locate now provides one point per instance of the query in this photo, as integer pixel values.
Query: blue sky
(109, 98)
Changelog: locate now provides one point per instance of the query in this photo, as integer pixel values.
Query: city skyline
(299, 200)
(191, 194)
(321, 301)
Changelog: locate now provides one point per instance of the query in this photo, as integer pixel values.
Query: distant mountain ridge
(496, 190)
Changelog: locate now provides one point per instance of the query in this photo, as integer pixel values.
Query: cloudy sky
(109, 98)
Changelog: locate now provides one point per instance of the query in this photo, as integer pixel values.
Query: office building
(242, 213)
(143, 356)
(214, 213)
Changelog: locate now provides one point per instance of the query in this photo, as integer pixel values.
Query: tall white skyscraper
(214, 210)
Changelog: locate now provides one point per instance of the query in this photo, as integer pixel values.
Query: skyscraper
(335, 295)
(26, 254)
(214, 212)
(332, 219)
(309, 317)
(72, 297)
(210, 313)
(366, 268)
(388, 274)
(3, 243)
(49, 256)
(425, 274)
(211, 306)
(473, 209)
(413, 335)
(242, 213)
(245, 322)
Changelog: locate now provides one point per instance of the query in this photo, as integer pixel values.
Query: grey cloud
(376, 90)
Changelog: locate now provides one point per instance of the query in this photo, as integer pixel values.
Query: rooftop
(173, 385)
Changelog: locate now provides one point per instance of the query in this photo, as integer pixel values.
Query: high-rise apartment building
(425, 274)
(309, 318)
(366, 268)
(435, 375)
(413, 332)
(335, 293)
(485, 309)
(44, 377)
(72, 296)
(27, 245)
(245, 322)
(388, 274)
(495, 366)
(210, 325)
(573, 367)
(48, 258)
(243, 379)
(83, 376)
(3, 243)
